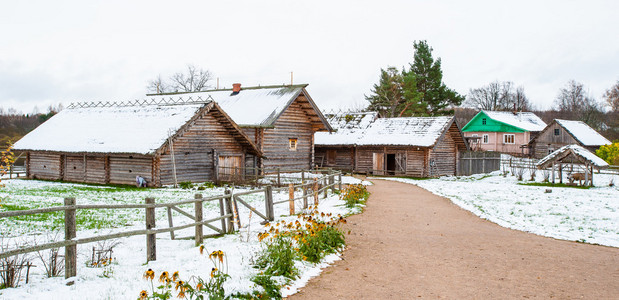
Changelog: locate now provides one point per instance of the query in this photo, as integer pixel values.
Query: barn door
(230, 168)
(378, 163)
(400, 162)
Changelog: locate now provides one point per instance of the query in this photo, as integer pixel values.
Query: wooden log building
(114, 143)
(416, 146)
(561, 133)
(279, 120)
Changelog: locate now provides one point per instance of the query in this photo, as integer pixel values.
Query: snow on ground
(585, 215)
(124, 280)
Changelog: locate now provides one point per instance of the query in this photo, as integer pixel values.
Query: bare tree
(574, 101)
(498, 96)
(192, 80)
(612, 97)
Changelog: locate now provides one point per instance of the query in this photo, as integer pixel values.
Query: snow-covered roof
(348, 126)
(117, 129)
(578, 151)
(252, 106)
(523, 120)
(583, 133)
(412, 131)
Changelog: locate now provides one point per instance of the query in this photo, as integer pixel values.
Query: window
(557, 131)
(485, 139)
(292, 144)
(550, 151)
(508, 139)
(475, 141)
(483, 121)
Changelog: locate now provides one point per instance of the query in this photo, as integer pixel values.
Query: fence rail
(228, 216)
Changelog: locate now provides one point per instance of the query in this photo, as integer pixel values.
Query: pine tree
(417, 92)
(430, 84)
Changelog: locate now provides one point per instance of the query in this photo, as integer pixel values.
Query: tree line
(419, 91)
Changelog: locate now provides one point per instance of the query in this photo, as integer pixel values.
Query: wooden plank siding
(294, 123)
(124, 168)
(344, 157)
(444, 155)
(45, 165)
(547, 141)
(193, 151)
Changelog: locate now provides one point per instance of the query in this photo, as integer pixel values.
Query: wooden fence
(228, 217)
(478, 162)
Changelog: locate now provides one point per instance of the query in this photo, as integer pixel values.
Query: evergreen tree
(435, 95)
(417, 92)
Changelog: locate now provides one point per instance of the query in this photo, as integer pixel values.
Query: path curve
(412, 244)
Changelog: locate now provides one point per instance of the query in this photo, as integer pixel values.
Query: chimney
(236, 87)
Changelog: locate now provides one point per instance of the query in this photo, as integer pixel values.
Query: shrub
(278, 257)
(609, 153)
(185, 185)
(354, 194)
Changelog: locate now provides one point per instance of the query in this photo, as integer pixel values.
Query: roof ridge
(301, 85)
(140, 102)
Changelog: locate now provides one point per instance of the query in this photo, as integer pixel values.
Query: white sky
(67, 51)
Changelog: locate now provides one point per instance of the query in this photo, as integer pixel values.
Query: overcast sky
(67, 51)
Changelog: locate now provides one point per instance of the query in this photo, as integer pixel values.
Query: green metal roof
(477, 125)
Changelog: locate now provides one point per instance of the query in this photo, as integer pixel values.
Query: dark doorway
(391, 164)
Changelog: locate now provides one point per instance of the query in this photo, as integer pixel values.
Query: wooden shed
(279, 120)
(561, 133)
(569, 154)
(114, 143)
(416, 146)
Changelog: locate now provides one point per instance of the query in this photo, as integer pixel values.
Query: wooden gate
(230, 168)
(378, 163)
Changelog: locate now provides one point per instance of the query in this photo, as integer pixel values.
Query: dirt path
(411, 244)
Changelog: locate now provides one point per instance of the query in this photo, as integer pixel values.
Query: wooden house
(280, 120)
(337, 149)
(114, 143)
(416, 146)
(503, 131)
(560, 133)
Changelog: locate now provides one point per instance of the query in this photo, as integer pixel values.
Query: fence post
(279, 179)
(331, 181)
(325, 185)
(235, 211)
(302, 176)
(70, 260)
(268, 202)
(229, 222)
(151, 246)
(304, 196)
(339, 180)
(291, 198)
(170, 222)
(221, 214)
(315, 192)
(198, 211)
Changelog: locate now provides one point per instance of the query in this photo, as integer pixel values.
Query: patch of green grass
(555, 185)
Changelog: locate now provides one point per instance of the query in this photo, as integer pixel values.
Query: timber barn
(279, 120)
(561, 133)
(415, 146)
(114, 143)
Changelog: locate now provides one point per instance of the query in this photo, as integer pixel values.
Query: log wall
(444, 155)
(193, 151)
(344, 157)
(293, 123)
(45, 166)
(547, 141)
(124, 168)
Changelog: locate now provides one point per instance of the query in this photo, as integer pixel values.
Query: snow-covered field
(584, 215)
(123, 278)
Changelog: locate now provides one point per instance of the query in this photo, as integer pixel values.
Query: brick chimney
(236, 87)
